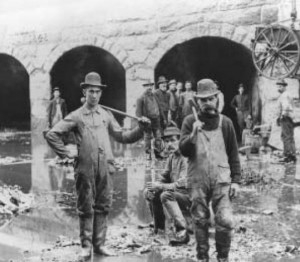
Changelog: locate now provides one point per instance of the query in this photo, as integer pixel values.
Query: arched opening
(70, 69)
(220, 59)
(14, 94)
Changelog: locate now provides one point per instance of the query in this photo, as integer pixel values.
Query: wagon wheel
(276, 52)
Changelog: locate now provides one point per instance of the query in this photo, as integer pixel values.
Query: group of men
(207, 140)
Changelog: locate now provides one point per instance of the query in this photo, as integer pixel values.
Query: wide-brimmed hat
(92, 79)
(281, 82)
(161, 79)
(56, 89)
(148, 83)
(172, 81)
(171, 131)
(241, 85)
(206, 88)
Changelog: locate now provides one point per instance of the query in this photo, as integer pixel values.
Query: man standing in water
(208, 140)
(92, 126)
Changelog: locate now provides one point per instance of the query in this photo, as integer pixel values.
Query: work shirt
(56, 111)
(173, 101)
(188, 148)
(98, 125)
(184, 103)
(285, 105)
(240, 102)
(175, 173)
(146, 105)
(163, 99)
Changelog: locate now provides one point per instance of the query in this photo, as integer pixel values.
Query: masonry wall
(137, 33)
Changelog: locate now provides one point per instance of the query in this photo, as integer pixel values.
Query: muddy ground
(38, 220)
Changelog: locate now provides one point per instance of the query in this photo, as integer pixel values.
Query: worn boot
(223, 242)
(202, 235)
(86, 232)
(99, 235)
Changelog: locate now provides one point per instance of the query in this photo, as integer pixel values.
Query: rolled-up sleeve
(54, 136)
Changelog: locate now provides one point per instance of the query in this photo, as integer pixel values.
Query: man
(147, 106)
(170, 192)
(240, 103)
(163, 98)
(285, 118)
(92, 126)
(184, 100)
(173, 103)
(213, 170)
(220, 105)
(57, 109)
(179, 91)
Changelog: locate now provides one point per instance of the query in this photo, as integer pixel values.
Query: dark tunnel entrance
(217, 58)
(70, 69)
(14, 94)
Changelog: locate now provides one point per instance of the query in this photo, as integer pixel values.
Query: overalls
(209, 180)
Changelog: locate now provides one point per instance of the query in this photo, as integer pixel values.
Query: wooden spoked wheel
(276, 51)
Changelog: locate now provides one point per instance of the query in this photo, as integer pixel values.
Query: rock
(268, 212)
(290, 248)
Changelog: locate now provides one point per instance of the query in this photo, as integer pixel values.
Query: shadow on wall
(220, 59)
(14, 94)
(70, 69)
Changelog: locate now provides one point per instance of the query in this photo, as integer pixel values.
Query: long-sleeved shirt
(99, 123)
(173, 101)
(147, 105)
(175, 173)
(54, 106)
(184, 103)
(163, 99)
(187, 144)
(240, 102)
(285, 105)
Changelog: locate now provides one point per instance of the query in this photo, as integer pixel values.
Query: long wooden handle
(119, 112)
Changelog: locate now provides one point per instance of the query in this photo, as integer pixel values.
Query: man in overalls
(92, 126)
(214, 171)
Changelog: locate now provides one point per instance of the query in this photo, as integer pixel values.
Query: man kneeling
(170, 192)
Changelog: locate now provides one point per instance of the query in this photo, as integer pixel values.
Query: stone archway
(69, 71)
(220, 59)
(14, 94)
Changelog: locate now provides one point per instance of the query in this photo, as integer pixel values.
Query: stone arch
(72, 66)
(14, 93)
(218, 58)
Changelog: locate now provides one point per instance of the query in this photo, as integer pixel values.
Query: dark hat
(206, 88)
(241, 85)
(281, 82)
(172, 81)
(56, 89)
(171, 131)
(148, 83)
(92, 79)
(188, 81)
(161, 79)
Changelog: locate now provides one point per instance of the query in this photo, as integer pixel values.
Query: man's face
(241, 90)
(92, 95)
(171, 144)
(179, 86)
(188, 86)
(281, 88)
(148, 88)
(208, 105)
(56, 94)
(163, 87)
(172, 86)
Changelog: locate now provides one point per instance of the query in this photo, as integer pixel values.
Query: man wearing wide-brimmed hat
(147, 106)
(92, 126)
(285, 118)
(174, 102)
(163, 98)
(208, 140)
(170, 192)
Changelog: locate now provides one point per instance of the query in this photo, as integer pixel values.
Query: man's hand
(197, 126)
(144, 122)
(150, 195)
(233, 191)
(153, 186)
(71, 155)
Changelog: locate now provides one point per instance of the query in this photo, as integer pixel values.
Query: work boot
(205, 259)
(99, 235)
(181, 238)
(86, 232)
(223, 242)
